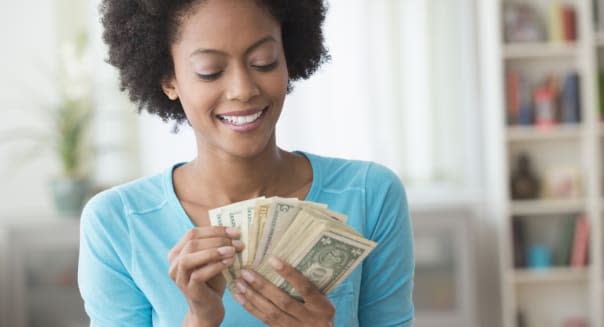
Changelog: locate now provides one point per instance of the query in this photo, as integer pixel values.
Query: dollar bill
(330, 259)
(313, 239)
(233, 215)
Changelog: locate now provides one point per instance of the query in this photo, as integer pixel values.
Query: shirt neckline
(170, 193)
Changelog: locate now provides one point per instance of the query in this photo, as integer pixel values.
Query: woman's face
(230, 75)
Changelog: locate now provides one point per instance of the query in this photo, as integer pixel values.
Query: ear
(170, 89)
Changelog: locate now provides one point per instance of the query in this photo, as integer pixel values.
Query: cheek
(199, 99)
(276, 87)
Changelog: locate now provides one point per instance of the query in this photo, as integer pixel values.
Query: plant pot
(69, 195)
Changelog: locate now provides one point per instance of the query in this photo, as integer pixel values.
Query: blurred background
(489, 111)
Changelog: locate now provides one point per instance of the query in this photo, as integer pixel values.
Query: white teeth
(241, 120)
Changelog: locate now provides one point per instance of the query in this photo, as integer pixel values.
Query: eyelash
(260, 68)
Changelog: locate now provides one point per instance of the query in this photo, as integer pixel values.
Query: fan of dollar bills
(308, 236)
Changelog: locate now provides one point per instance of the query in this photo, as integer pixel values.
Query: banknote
(312, 238)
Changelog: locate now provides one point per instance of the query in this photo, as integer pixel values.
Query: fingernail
(240, 287)
(228, 261)
(237, 243)
(248, 276)
(239, 298)
(232, 231)
(276, 263)
(226, 250)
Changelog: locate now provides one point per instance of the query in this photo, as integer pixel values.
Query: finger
(307, 290)
(208, 243)
(204, 232)
(194, 260)
(274, 294)
(258, 305)
(202, 275)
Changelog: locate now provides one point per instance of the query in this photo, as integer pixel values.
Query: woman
(148, 254)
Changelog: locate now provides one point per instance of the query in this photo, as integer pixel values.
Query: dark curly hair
(139, 34)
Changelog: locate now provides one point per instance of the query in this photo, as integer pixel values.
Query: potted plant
(66, 134)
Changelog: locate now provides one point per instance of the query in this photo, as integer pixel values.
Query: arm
(111, 297)
(387, 279)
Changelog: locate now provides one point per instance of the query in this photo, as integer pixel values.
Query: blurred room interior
(490, 111)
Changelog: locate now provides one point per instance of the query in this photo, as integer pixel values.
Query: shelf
(533, 133)
(546, 206)
(539, 50)
(550, 275)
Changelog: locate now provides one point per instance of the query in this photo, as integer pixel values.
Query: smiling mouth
(240, 120)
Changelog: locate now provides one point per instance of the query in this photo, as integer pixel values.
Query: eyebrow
(268, 38)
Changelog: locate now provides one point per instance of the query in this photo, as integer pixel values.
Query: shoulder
(138, 196)
(353, 173)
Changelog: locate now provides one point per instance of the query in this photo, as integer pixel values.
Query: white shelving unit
(547, 296)
(539, 50)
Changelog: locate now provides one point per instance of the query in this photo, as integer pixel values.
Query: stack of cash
(313, 239)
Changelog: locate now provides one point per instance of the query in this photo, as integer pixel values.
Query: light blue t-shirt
(127, 231)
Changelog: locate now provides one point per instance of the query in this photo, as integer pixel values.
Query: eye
(209, 77)
(266, 68)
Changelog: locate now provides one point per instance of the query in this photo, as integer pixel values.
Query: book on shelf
(518, 243)
(580, 242)
(569, 23)
(518, 99)
(600, 75)
(522, 23)
(562, 23)
(563, 250)
(552, 102)
(554, 26)
(570, 99)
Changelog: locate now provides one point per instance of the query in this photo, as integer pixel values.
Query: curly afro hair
(139, 34)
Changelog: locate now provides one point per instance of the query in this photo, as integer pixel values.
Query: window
(401, 90)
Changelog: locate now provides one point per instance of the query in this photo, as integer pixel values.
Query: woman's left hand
(274, 307)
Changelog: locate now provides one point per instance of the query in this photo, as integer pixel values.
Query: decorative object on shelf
(539, 257)
(520, 320)
(562, 182)
(524, 182)
(522, 24)
(575, 322)
(545, 110)
(69, 117)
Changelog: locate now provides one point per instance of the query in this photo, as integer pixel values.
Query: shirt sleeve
(387, 278)
(111, 297)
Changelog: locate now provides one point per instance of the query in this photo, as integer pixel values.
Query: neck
(233, 179)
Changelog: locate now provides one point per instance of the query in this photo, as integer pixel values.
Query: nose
(241, 86)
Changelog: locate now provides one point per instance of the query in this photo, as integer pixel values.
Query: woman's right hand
(196, 264)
